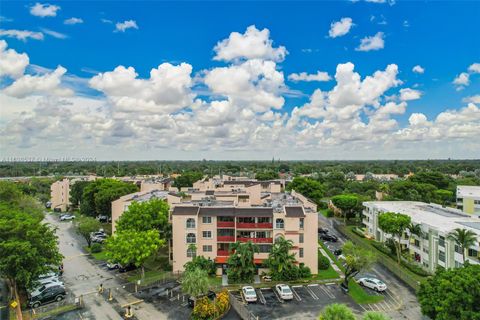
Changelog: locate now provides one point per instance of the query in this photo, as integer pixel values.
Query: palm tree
(414, 229)
(241, 264)
(463, 238)
(280, 260)
(195, 282)
(337, 311)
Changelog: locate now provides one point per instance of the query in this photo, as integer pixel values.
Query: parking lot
(307, 302)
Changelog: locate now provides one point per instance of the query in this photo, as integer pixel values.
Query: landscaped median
(409, 277)
(358, 294)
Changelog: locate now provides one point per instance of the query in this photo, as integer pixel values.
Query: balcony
(256, 240)
(225, 224)
(245, 225)
(222, 253)
(225, 238)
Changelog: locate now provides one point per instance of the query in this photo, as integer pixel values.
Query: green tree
(435, 178)
(452, 294)
(187, 179)
(202, 263)
(144, 216)
(281, 262)
(463, 238)
(241, 265)
(346, 203)
(357, 259)
(375, 316)
(307, 187)
(267, 175)
(76, 192)
(98, 195)
(28, 249)
(414, 229)
(133, 247)
(85, 226)
(195, 282)
(337, 311)
(444, 197)
(394, 224)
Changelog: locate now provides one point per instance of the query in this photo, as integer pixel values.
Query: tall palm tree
(195, 282)
(241, 263)
(280, 259)
(414, 229)
(463, 238)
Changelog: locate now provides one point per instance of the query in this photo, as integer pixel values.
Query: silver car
(372, 283)
(284, 291)
(249, 294)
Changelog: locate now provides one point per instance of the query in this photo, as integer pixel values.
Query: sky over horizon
(338, 80)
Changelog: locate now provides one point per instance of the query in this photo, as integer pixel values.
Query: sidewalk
(333, 264)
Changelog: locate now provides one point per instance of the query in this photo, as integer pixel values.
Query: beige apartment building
(227, 183)
(120, 205)
(60, 195)
(213, 225)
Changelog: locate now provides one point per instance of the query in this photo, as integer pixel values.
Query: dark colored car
(337, 252)
(191, 300)
(322, 230)
(128, 267)
(328, 237)
(55, 292)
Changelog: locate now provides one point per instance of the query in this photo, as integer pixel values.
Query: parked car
(373, 283)
(99, 238)
(191, 300)
(337, 252)
(45, 294)
(322, 230)
(249, 294)
(102, 218)
(329, 237)
(65, 217)
(113, 265)
(267, 278)
(48, 275)
(46, 281)
(128, 267)
(284, 291)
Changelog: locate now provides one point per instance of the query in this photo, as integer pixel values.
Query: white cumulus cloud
(474, 68)
(418, 69)
(253, 44)
(73, 20)
(21, 34)
(12, 63)
(409, 94)
(375, 42)
(340, 28)
(127, 24)
(473, 99)
(44, 10)
(303, 76)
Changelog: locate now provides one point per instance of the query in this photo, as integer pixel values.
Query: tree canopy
(241, 265)
(195, 282)
(357, 259)
(85, 226)
(337, 311)
(266, 175)
(463, 238)
(452, 294)
(144, 216)
(308, 187)
(281, 262)
(347, 203)
(186, 179)
(395, 224)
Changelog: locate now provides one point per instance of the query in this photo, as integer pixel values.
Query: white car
(373, 283)
(67, 217)
(284, 291)
(249, 294)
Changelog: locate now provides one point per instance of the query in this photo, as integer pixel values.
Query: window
(264, 248)
(300, 238)
(301, 222)
(416, 243)
(476, 201)
(206, 219)
(277, 237)
(458, 264)
(441, 256)
(190, 223)
(191, 253)
(441, 241)
(472, 253)
(279, 224)
(263, 219)
(207, 234)
(207, 249)
(300, 252)
(191, 238)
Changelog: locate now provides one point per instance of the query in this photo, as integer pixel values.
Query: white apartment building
(468, 199)
(433, 248)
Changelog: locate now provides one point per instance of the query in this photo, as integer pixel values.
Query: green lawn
(331, 255)
(361, 296)
(215, 281)
(323, 212)
(326, 274)
(97, 255)
(150, 276)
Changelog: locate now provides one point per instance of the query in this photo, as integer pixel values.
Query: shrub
(304, 272)
(223, 300)
(202, 263)
(358, 232)
(96, 248)
(330, 213)
(205, 309)
(323, 262)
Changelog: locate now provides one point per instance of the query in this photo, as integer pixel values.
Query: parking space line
(314, 296)
(295, 294)
(364, 309)
(327, 291)
(277, 296)
(262, 298)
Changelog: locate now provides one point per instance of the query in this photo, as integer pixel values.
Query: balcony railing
(225, 224)
(246, 225)
(256, 240)
(222, 253)
(226, 238)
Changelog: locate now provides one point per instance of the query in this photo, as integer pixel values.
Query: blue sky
(441, 37)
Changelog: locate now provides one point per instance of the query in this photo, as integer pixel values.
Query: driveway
(82, 277)
(400, 300)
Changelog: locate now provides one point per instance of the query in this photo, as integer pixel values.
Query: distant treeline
(209, 167)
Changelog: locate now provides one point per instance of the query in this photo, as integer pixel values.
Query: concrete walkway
(333, 264)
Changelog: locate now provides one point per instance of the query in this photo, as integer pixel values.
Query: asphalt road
(400, 301)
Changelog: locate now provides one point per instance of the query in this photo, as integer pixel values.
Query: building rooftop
(468, 192)
(436, 216)
(145, 195)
